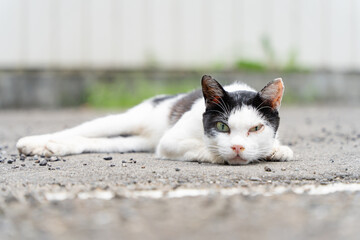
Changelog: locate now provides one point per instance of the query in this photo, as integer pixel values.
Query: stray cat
(234, 125)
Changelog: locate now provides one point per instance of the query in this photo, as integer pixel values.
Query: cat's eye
(256, 128)
(222, 127)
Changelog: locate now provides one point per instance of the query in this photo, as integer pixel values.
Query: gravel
(67, 200)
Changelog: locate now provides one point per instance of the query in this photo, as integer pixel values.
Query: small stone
(107, 158)
(112, 165)
(64, 160)
(84, 164)
(254, 179)
(23, 165)
(124, 165)
(53, 159)
(332, 160)
(267, 169)
(14, 167)
(142, 166)
(37, 161)
(36, 157)
(57, 168)
(283, 169)
(43, 162)
(10, 161)
(123, 161)
(177, 169)
(134, 161)
(22, 158)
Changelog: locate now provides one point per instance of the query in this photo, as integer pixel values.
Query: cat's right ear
(212, 91)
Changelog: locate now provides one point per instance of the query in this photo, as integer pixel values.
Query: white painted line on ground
(180, 193)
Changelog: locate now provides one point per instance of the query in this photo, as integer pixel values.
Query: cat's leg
(175, 148)
(281, 153)
(128, 123)
(77, 145)
(184, 141)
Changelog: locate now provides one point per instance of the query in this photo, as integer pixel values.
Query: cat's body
(234, 125)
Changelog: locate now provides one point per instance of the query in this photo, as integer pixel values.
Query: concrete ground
(136, 196)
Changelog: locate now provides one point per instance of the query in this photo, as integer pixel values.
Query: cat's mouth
(237, 161)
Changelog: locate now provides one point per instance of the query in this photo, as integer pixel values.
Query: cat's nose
(237, 148)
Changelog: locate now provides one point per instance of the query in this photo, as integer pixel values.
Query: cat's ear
(212, 91)
(272, 93)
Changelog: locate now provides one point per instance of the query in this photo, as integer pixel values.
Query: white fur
(150, 129)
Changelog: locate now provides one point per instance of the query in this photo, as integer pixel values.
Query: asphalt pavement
(136, 196)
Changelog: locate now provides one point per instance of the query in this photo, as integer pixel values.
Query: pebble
(14, 167)
(54, 159)
(283, 169)
(84, 164)
(142, 166)
(107, 158)
(36, 157)
(254, 179)
(267, 169)
(37, 161)
(124, 165)
(177, 169)
(10, 161)
(43, 162)
(23, 165)
(112, 165)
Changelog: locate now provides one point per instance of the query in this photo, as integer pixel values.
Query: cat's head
(240, 127)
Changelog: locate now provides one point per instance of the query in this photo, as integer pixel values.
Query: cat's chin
(237, 161)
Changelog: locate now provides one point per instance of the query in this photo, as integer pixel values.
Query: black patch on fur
(183, 105)
(233, 100)
(158, 100)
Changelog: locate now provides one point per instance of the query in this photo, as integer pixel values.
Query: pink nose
(237, 148)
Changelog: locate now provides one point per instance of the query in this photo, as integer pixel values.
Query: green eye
(222, 127)
(256, 128)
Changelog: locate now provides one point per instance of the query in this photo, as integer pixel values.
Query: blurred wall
(181, 34)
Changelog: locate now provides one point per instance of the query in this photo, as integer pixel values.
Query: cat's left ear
(272, 93)
(212, 91)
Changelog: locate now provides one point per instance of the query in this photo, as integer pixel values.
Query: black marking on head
(183, 105)
(236, 100)
(157, 100)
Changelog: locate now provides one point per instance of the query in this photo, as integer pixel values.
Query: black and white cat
(234, 125)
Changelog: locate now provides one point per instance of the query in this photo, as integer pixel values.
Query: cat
(224, 125)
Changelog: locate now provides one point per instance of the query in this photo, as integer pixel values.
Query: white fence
(178, 33)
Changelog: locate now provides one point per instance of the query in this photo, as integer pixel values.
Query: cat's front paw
(63, 147)
(33, 145)
(281, 153)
